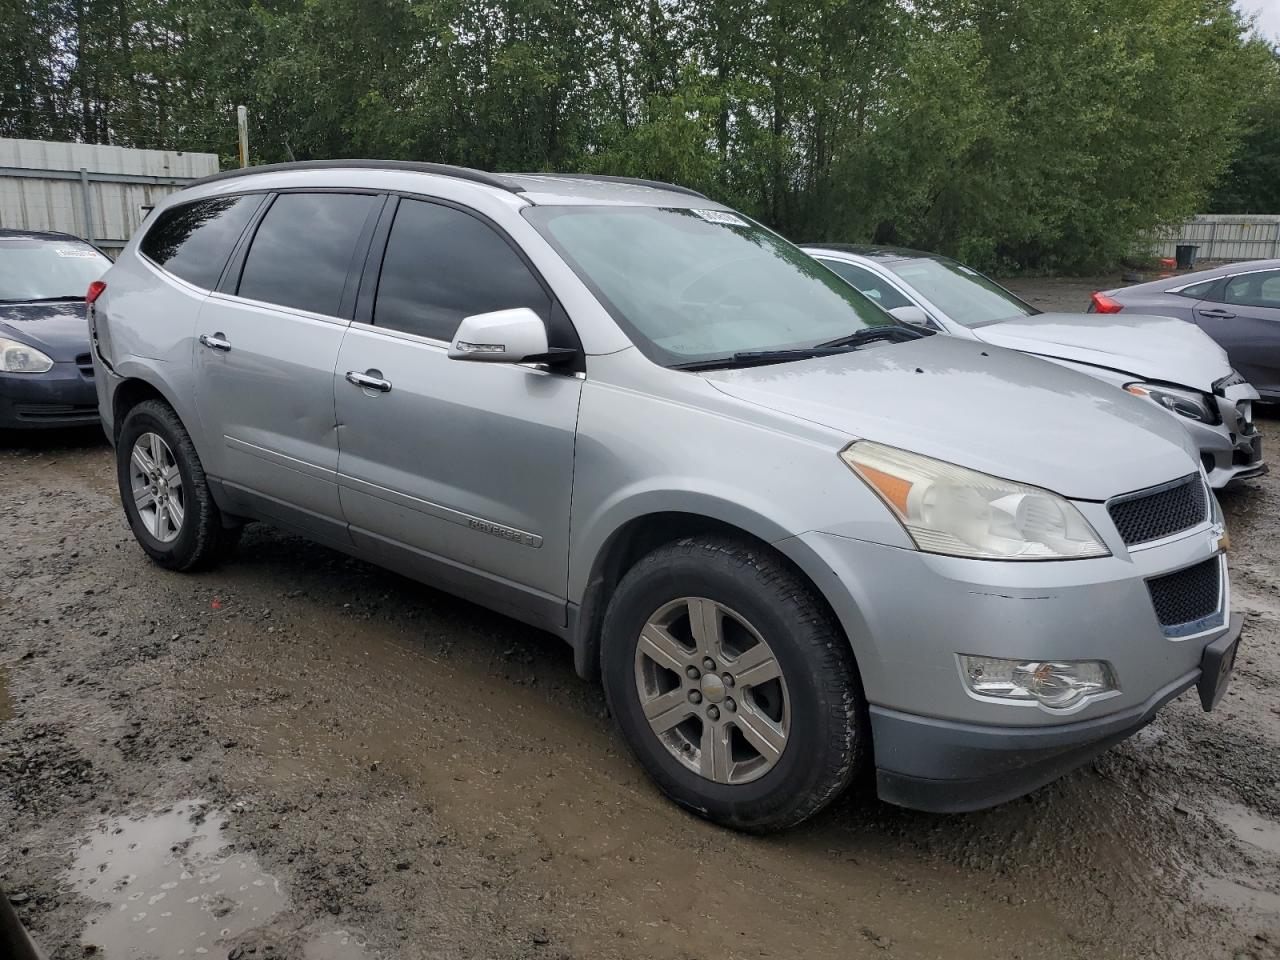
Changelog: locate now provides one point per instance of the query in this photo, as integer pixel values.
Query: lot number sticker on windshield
(722, 216)
(77, 252)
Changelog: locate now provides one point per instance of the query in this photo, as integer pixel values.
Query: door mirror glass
(503, 336)
(914, 315)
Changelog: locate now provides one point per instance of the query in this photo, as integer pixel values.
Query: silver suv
(792, 535)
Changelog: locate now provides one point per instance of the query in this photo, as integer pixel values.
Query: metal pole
(242, 128)
(88, 205)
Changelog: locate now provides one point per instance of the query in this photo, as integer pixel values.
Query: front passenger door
(456, 472)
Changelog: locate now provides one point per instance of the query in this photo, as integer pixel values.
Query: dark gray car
(1237, 305)
(46, 374)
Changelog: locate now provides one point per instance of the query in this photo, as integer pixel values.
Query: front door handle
(369, 381)
(1217, 314)
(217, 341)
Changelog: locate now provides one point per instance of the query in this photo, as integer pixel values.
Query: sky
(1268, 12)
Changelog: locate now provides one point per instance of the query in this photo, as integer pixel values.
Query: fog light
(1053, 683)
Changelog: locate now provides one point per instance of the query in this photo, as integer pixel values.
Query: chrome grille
(1159, 512)
(1187, 595)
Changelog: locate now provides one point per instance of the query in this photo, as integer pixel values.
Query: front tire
(164, 491)
(732, 683)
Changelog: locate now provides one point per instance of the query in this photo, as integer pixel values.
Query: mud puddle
(1252, 829)
(167, 886)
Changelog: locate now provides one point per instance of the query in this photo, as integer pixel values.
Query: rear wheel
(165, 494)
(732, 684)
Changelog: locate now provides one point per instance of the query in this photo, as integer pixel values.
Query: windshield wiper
(846, 344)
(888, 331)
(748, 358)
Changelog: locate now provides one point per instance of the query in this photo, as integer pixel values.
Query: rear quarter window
(194, 240)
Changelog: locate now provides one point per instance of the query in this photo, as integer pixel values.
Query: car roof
(14, 234)
(536, 188)
(1236, 266)
(873, 251)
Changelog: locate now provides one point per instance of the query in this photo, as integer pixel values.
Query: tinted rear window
(302, 251)
(194, 240)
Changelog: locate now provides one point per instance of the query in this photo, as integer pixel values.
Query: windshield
(48, 269)
(964, 295)
(695, 285)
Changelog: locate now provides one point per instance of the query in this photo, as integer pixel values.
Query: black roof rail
(410, 166)
(634, 181)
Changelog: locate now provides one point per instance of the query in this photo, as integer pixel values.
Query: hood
(1150, 348)
(59, 329)
(989, 409)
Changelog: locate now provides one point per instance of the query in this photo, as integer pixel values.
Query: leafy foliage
(1044, 133)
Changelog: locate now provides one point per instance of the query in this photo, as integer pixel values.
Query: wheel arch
(643, 532)
(132, 390)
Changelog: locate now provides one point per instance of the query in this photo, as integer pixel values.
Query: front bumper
(63, 397)
(1232, 449)
(909, 614)
(1229, 454)
(947, 767)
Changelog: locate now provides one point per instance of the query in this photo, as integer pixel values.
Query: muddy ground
(299, 755)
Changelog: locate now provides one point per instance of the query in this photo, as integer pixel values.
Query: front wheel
(165, 494)
(732, 683)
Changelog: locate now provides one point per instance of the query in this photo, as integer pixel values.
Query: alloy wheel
(156, 484)
(712, 690)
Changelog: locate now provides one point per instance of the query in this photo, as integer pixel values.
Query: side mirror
(914, 315)
(503, 336)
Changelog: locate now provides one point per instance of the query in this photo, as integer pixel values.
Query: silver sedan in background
(1164, 360)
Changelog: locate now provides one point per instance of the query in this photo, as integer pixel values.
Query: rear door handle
(217, 341)
(369, 381)
(1217, 314)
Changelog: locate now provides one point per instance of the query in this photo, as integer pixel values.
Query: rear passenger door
(1244, 318)
(456, 472)
(265, 353)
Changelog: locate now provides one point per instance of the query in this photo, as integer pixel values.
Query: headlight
(1053, 683)
(962, 513)
(17, 357)
(1185, 403)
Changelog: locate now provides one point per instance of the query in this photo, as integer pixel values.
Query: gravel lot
(300, 755)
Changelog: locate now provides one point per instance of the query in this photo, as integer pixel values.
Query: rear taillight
(1104, 304)
(96, 288)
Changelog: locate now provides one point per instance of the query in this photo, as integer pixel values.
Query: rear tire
(164, 491)
(732, 683)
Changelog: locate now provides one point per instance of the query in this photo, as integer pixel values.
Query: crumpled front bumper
(1233, 449)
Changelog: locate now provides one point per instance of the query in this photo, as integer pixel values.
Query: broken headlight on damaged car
(1185, 403)
(959, 512)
